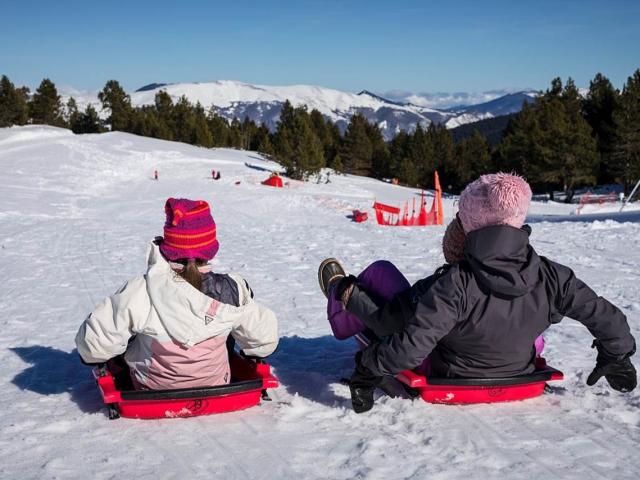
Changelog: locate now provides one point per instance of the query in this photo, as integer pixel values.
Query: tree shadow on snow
(257, 167)
(309, 366)
(53, 372)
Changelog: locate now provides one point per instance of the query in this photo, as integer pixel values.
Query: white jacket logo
(207, 319)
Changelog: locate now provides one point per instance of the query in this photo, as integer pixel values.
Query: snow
(466, 118)
(226, 93)
(75, 217)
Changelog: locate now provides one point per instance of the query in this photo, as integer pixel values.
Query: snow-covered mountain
(262, 103)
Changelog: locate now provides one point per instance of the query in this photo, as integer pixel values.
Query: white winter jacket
(174, 336)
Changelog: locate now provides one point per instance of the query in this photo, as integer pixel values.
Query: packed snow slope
(75, 218)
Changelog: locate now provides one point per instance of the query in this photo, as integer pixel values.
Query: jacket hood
(188, 315)
(502, 261)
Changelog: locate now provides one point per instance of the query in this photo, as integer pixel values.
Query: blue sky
(417, 46)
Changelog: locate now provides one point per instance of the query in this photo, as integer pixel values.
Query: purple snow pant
(382, 281)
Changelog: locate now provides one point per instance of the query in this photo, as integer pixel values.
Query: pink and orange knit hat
(189, 231)
(494, 199)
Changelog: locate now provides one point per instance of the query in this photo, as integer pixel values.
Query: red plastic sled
(457, 391)
(249, 380)
(360, 216)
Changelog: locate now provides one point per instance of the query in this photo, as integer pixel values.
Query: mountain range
(261, 103)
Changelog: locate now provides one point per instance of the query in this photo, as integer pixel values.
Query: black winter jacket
(480, 318)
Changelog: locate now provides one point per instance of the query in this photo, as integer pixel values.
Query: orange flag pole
(439, 212)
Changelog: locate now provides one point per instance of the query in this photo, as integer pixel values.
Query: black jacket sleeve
(385, 319)
(392, 316)
(437, 310)
(574, 299)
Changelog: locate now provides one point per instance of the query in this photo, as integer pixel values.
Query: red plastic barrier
(393, 216)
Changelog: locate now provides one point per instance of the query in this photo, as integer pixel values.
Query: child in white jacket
(172, 323)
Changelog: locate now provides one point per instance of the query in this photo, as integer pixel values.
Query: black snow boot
(329, 271)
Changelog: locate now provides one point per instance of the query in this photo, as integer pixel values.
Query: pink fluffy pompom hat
(494, 199)
(189, 231)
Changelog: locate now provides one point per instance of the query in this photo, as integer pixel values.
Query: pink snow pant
(382, 281)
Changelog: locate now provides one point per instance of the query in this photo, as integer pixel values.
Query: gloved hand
(619, 372)
(362, 385)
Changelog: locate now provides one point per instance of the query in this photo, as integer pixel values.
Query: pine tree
(184, 120)
(262, 141)
(568, 151)
(520, 150)
(219, 128)
(87, 122)
(443, 150)
(22, 106)
(598, 107)
(235, 134)
(163, 124)
(420, 151)
(307, 149)
(551, 142)
(327, 133)
(13, 106)
(284, 137)
(379, 149)
(45, 106)
(201, 134)
(472, 159)
(336, 164)
(398, 150)
(357, 150)
(71, 114)
(118, 103)
(248, 131)
(408, 172)
(297, 147)
(555, 90)
(626, 153)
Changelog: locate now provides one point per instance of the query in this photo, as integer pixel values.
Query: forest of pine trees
(560, 141)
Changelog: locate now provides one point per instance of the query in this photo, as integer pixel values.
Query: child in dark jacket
(479, 316)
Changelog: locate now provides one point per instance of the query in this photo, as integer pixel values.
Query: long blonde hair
(191, 273)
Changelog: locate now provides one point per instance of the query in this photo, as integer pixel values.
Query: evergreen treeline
(493, 129)
(561, 140)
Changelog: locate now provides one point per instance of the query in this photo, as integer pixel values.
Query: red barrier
(393, 216)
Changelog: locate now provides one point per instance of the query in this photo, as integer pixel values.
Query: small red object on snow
(273, 181)
(360, 216)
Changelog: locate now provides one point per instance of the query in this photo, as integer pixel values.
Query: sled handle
(412, 379)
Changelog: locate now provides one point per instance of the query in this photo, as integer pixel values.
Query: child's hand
(344, 288)
(620, 373)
